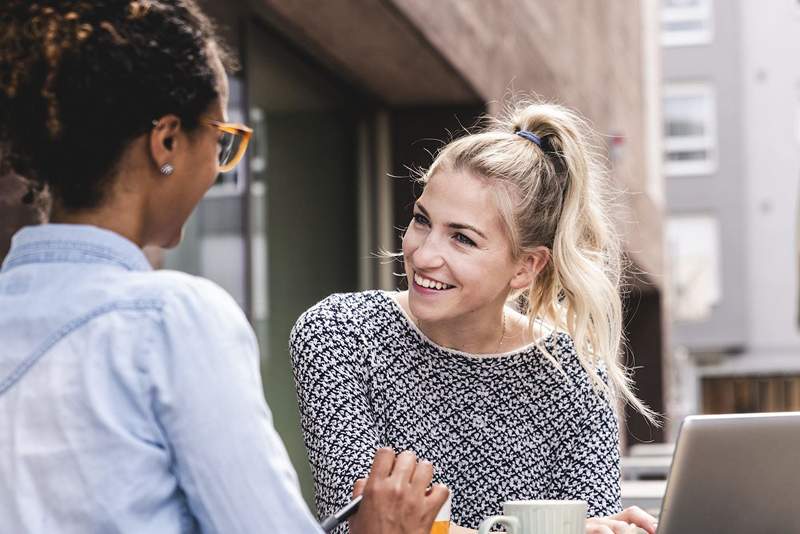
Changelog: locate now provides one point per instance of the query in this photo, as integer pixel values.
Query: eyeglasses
(232, 143)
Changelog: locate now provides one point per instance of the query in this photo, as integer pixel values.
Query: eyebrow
(454, 225)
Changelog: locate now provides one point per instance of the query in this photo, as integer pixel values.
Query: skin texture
(479, 264)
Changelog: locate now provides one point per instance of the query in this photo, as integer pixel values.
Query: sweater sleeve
(588, 467)
(338, 421)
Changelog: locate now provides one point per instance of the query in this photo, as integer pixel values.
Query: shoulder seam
(71, 326)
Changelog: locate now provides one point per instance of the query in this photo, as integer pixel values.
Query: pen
(340, 516)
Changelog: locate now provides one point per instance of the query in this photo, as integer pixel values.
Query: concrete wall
(770, 80)
(722, 193)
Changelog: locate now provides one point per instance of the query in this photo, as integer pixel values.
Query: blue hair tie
(530, 136)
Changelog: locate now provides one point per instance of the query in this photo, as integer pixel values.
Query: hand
(624, 522)
(455, 529)
(396, 496)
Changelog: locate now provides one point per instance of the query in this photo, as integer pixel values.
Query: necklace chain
(502, 330)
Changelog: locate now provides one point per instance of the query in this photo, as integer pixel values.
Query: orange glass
(441, 527)
(232, 143)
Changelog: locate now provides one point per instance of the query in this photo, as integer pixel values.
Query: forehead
(462, 197)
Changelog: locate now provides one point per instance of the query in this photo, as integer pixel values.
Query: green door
(303, 208)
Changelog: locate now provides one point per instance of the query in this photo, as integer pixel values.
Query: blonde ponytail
(553, 192)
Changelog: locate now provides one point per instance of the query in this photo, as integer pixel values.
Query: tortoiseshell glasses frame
(231, 153)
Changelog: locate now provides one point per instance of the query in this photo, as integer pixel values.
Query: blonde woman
(506, 405)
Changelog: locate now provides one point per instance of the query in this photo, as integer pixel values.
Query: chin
(425, 310)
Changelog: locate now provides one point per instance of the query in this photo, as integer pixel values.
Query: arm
(589, 470)
(339, 426)
(208, 402)
(588, 465)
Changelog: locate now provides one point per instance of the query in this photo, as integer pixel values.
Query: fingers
(358, 487)
(610, 525)
(638, 517)
(607, 525)
(422, 476)
(404, 466)
(382, 464)
(434, 499)
(437, 496)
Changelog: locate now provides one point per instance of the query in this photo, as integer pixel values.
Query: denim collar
(73, 243)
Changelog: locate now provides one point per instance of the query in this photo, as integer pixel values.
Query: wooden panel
(742, 394)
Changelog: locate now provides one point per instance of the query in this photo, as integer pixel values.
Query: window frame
(706, 224)
(708, 142)
(703, 14)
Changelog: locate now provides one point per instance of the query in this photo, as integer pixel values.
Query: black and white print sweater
(496, 428)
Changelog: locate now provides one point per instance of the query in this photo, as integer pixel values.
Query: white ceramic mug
(539, 517)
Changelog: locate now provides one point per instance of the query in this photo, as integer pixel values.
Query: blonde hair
(555, 194)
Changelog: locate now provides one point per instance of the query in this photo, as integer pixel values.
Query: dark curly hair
(81, 79)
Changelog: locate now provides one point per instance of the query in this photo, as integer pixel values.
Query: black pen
(340, 516)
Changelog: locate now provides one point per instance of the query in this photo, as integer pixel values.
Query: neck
(122, 218)
(480, 332)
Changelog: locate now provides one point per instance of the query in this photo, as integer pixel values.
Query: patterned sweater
(496, 428)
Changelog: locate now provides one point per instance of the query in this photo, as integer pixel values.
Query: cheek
(210, 163)
(409, 243)
(482, 274)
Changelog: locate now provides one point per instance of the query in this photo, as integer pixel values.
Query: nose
(428, 254)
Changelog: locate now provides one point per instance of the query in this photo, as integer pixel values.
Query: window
(693, 243)
(690, 136)
(686, 22)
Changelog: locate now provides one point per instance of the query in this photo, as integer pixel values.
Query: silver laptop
(734, 474)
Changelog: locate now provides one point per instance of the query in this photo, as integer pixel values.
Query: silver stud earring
(167, 169)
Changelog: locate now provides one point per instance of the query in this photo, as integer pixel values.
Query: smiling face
(457, 254)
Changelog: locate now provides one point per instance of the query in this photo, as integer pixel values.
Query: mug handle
(506, 521)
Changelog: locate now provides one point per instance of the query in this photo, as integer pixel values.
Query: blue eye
(421, 219)
(464, 240)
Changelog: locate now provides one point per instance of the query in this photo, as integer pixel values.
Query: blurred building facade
(731, 106)
(345, 96)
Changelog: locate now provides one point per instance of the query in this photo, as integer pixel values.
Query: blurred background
(698, 104)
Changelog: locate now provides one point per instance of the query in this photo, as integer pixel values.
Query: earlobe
(532, 264)
(163, 143)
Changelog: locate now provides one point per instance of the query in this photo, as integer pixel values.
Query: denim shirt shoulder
(57, 279)
(161, 368)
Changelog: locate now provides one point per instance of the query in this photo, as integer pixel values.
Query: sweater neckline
(409, 323)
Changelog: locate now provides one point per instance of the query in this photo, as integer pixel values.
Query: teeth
(431, 284)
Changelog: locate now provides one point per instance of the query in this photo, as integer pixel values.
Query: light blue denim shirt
(130, 399)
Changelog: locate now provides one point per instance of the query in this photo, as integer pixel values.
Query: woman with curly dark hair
(130, 400)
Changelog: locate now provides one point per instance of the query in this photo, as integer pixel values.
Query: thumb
(358, 487)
